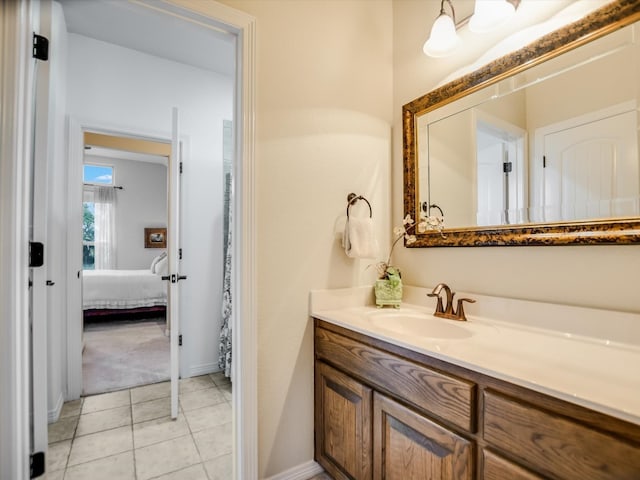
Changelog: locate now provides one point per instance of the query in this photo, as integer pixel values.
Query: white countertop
(598, 373)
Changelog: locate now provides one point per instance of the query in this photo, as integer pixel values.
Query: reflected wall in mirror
(538, 147)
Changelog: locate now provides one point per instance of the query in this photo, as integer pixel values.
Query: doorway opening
(124, 258)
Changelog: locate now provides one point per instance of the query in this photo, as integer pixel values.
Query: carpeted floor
(124, 353)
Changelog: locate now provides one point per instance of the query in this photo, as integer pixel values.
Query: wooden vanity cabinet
(385, 412)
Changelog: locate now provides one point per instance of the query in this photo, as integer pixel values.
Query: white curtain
(105, 232)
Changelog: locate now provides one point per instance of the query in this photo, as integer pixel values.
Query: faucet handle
(439, 307)
(460, 311)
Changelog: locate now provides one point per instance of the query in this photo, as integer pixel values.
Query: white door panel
(591, 170)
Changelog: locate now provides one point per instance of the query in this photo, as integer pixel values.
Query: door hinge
(36, 464)
(36, 254)
(180, 167)
(40, 47)
(179, 254)
(180, 340)
(544, 161)
(507, 167)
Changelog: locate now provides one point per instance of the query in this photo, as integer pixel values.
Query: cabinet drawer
(497, 468)
(554, 445)
(444, 396)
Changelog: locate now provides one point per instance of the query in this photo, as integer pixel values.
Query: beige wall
(323, 124)
(596, 276)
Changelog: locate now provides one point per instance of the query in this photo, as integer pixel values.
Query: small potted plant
(388, 287)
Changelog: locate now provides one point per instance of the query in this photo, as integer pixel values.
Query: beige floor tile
(57, 475)
(220, 468)
(118, 467)
(219, 378)
(150, 392)
(196, 383)
(159, 430)
(106, 401)
(71, 409)
(152, 409)
(225, 387)
(195, 472)
(100, 445)
(214, 442)
(63, 429)
(207, 417)
(201, 398)
(58, 455)
(228, 396)
(166, 457)
(104, 420)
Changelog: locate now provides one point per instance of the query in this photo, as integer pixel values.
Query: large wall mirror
(539, 147)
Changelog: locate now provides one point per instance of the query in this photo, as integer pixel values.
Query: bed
(109, 292)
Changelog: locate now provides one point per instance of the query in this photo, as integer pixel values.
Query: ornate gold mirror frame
(624, 231)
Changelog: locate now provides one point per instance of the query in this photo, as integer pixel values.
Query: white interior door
(39, 280)
(591, 170)
(173, 247)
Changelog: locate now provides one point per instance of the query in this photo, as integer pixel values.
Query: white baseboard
(301, 472)
(203, 369)
(54, 414)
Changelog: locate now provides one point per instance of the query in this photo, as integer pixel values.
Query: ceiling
(147, 30)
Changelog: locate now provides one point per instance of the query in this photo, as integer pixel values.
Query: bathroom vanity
(393, 401)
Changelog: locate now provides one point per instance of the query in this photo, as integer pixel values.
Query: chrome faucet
(448, 311)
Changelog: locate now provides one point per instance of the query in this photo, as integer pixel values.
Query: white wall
(134, 92)
(594, 276)
(141, 203)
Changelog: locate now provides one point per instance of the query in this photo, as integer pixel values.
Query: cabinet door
(408, 446)
(343, 424)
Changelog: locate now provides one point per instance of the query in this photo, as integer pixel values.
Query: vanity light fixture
(443, 39)
(487, 15)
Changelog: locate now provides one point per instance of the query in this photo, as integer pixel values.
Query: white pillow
(162, 267)
(154, 264)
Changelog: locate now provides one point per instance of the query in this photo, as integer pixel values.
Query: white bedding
(122, 289)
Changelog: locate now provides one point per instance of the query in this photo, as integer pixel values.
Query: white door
(491, 185)
(173, 247)
(38, 276)
(591, 171)
(500, 175)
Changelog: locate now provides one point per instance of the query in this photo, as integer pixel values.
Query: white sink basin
(419, 325)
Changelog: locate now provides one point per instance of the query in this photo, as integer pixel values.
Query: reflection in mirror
(553, 144)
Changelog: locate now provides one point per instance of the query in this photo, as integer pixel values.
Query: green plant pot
(387, 294)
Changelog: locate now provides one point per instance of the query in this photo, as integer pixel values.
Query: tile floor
(128, 434)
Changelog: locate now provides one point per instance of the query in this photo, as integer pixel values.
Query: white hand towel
(359, 239)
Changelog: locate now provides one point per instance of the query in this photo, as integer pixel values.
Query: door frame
(16, 133)
(74, 322)
(15, 150)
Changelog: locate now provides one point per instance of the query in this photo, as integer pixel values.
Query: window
(92, 175)
(98, 174)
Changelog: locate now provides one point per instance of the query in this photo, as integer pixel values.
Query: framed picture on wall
(155, 238)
